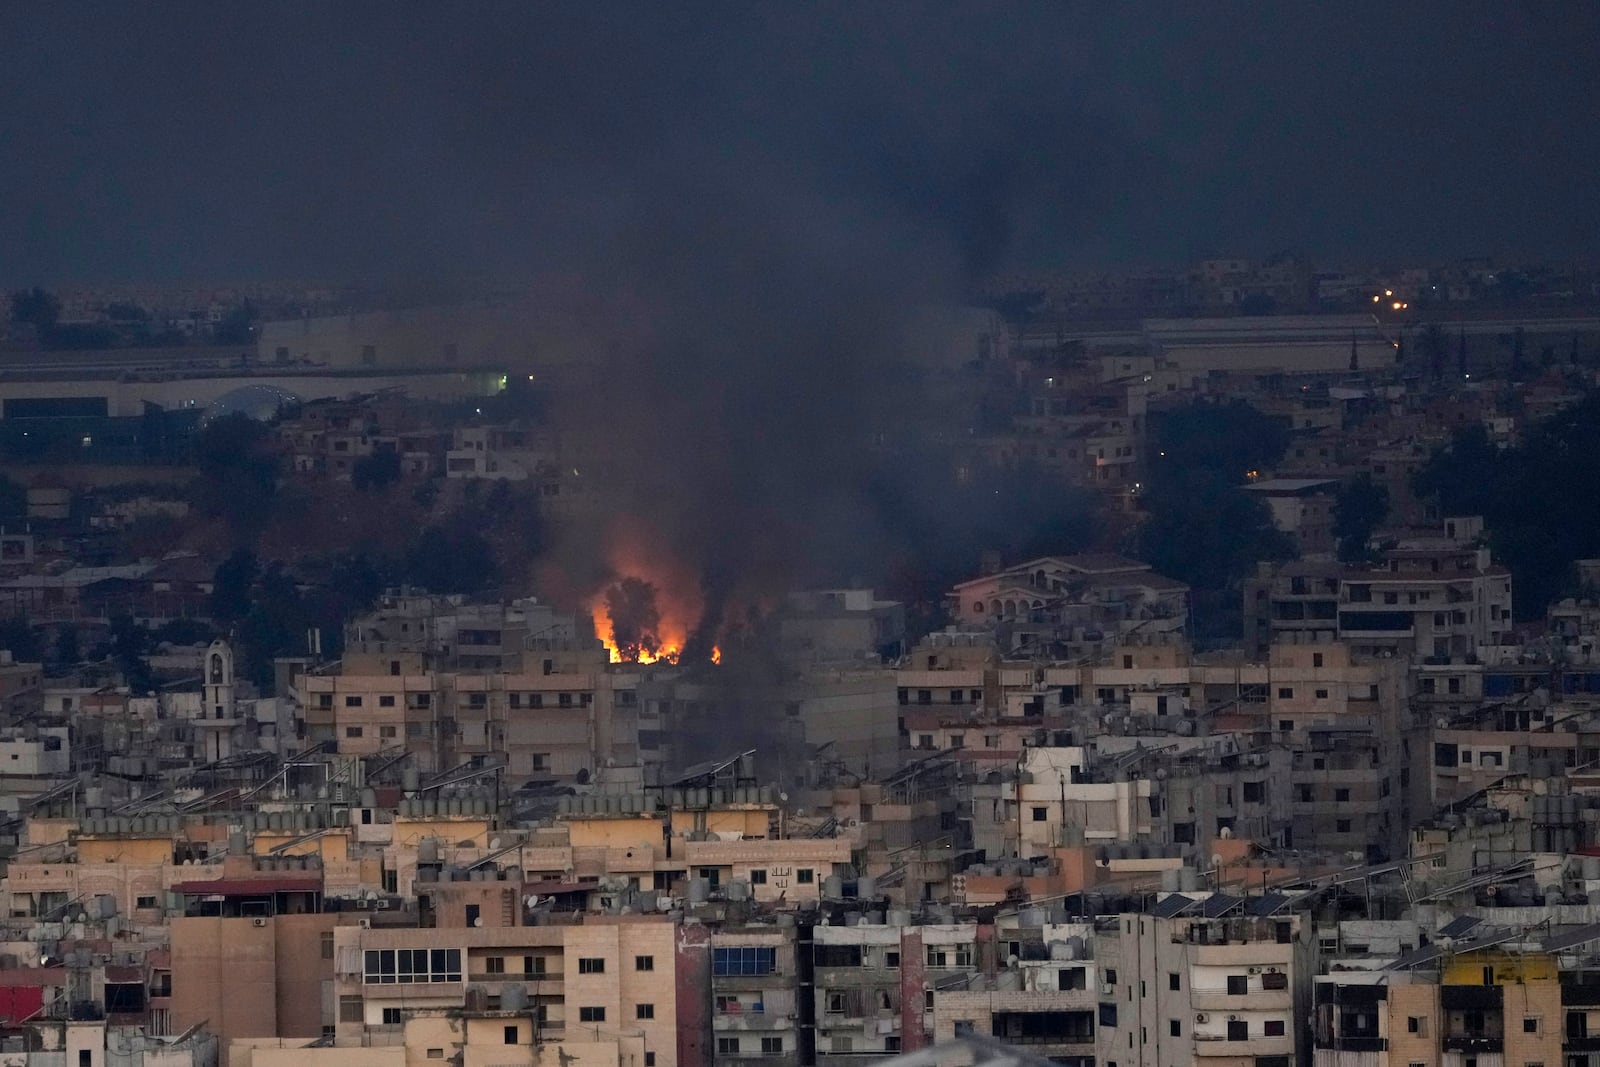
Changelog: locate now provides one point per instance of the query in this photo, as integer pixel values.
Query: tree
(1200, 525)
(1231, 439)
(1360, 506)
(237, 327)
(20, 639)
(13, 500)
(67, 652)
(451, 558)
(129, 644)
(1518, 489)
(35, 307)
(377, 471)
(231, 584)
(635, 619)
(238, 475)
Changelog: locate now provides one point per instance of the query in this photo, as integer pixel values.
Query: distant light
(87, 440)
(478, 410)
(530, 377)
(1376, 299)
(1397, 305)
(1388, 292)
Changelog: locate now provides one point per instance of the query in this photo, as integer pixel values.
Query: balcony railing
(1474, 1043)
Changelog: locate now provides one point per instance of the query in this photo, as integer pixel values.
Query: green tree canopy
(1361, 506)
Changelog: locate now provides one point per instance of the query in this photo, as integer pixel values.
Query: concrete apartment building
(596, 980)
(1204, 979)
(1302, 508)
(1074, 600)
(1436, 598)
(556, 725)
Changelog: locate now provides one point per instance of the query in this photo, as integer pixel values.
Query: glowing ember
(657, 597)
(670, 649)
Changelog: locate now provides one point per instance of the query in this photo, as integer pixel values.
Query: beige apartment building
(1199, 981)
(606, 979)
(558, 725)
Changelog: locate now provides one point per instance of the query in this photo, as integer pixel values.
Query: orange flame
(633, 553)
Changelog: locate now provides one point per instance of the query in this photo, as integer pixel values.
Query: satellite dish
(1012, 961)
(784, 797)
(532, 901)
(1216, 859)
(478, 921)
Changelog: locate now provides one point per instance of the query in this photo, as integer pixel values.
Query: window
(591, 965)
(1039, 814)
(1316, 659)
(644, 1011)
(1174, 1028)
(387, 731)
(1108, 1015)
(773, 1046)
(1255, 792)
(352, 731)
(152, 902)
(436, 1054)
(391, 1016)
(644, 963)
(402, 966)
(758, 877)
(650, 1059)
(386, 701)
(495, 965)
(1174, 982)
(1322, 694)
(891, 959)
(804, 876)
(744, 960)
(1530, 1024)
(1341, 826)
(1238, 1030)
(591, 1014)
(1286, 692)
(1417, 1024)
(1341, 795)
(352, 702)
(1238, 985)
(1111, 977)
(727, 1046)
(350, 1009)
(511, 1035)
(1272, 1028)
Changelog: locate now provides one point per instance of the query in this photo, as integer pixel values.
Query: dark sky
(356, 141)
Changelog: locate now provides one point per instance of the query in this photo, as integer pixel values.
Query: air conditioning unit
(258, 922)
(364, 922)
(382, 903)
(1202, 1017)
(1253, 970)
(1233, 1018)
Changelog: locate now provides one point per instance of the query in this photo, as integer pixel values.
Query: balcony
(1259, 1000)
(1581, 1043)
(755, 1018)
(1351, 1043)
(1209, 1045)
(1473, 1043)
